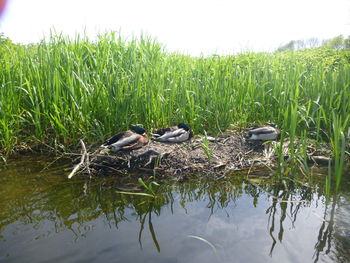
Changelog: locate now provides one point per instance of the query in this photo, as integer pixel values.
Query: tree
(347, 43)
(336, 42)
(289, 46)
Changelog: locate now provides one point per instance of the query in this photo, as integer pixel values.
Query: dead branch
(77, 167)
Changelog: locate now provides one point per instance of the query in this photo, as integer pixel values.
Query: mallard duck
(264, 133)
(178, 133)
(131, 139)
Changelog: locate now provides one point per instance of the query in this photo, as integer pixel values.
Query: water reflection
(232, 218)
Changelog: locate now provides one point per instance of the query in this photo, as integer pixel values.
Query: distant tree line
(338, 42)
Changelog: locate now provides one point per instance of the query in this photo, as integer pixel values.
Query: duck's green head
(183, 126)
(138, 129)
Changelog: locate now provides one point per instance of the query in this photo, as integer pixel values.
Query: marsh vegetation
(62, 90)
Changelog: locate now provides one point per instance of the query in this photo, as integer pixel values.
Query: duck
(264, 133)
(178, 133)
(131, 139)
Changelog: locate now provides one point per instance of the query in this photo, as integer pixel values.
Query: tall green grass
(62, 90)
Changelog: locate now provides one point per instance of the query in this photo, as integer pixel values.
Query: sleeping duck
(264, 133)
(179, 133)
(132, 139)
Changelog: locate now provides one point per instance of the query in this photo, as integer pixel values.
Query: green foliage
(148, 187)
(60, 91)
(338, 143)
(337, 42)
(205, 146)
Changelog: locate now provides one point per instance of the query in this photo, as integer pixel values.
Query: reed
(205, 146)
(62, 90)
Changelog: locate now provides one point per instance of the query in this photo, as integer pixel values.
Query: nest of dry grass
(226, 154)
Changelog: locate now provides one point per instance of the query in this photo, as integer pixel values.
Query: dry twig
(77, 167)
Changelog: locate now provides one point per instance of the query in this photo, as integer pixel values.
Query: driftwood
(220, 156)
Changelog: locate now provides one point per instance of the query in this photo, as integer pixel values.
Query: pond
(44, 217)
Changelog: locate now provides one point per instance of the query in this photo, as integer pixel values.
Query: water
(45, 217)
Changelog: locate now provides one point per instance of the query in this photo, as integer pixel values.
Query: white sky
(188, 26)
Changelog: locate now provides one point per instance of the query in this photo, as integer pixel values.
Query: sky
(188, 26)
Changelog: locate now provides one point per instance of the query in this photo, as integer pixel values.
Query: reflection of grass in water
(149, 188)
(134, 193)
(151, 229)
(71, 207)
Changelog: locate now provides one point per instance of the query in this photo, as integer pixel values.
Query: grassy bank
(62, 90)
